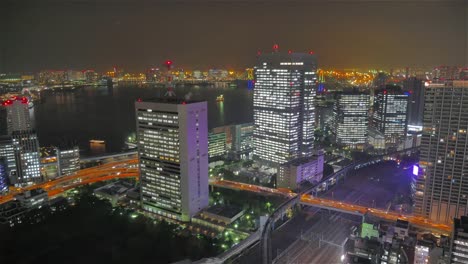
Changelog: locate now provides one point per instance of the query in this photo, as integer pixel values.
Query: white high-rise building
(173, 156)
(351, 119)
(18, 118)
(441, 190)
(25, 142)
(284, 113)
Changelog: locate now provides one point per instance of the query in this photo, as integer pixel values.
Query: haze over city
(227, 34)
(234, 131)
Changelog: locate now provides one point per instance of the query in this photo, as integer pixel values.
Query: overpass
(322, 186)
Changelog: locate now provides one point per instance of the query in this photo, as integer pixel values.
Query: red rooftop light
(289, 51)
(311, 52)
(139, 100)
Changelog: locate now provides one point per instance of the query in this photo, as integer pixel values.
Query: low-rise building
(114, 192)
(376, 139)
(68, 161)
(218, 217)
(35, 198)
(297, 171)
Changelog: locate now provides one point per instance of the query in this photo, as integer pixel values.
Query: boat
(220, 98)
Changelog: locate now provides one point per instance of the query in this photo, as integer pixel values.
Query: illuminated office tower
(27, 157)
(390, 113)
(25, 142)
(441, 185)
(173, 156)
(283, 104)
(351, 119)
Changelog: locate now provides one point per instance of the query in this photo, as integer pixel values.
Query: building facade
(459, 241)
(68, 161)
(441, 186)
(18, 118)
(284, 112)
(7, 151)
(351, 119)
(216, 146)
(414, 87)
(390, 113)
(172, 140)
(295, 172)
(27, 157)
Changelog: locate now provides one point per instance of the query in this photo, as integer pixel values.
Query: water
(108, 113)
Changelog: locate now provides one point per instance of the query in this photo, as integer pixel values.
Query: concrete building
(459, 241)
(216, 146)
(441, 186)
(242, 141)
(172, 140)
(284, 111)
(351, 119)
(295, 172)
(27, 157)
(390, 113)
(376, 139)
(414, 87)
(68, 161)
(33, 199)
(18, 118)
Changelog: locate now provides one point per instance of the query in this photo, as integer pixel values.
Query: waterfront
(108, 113)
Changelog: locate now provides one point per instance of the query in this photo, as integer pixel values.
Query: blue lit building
(3, 175)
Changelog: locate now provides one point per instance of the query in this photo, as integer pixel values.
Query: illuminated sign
(415, 170)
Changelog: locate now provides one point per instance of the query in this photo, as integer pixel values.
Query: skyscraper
(351, 119)
(27, 157)
(25, 142)
(284, 113)
(414, 87)
(17, 114)
(390, 113)
(172, 140)
(441, 185)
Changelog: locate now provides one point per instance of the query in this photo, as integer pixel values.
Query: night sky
(135, 34)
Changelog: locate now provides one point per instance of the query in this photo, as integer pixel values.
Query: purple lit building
(172, 139)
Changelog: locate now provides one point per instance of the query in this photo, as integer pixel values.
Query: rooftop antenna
(170, 89)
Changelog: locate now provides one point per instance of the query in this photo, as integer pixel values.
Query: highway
(128, 169)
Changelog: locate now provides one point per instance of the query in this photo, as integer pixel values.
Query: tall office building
(390, 113)
(414, 87)
(24, 139)
(18, 118)
(27, 157)
(441, 191)
(351, 119)
(173, 156)
(284, 113)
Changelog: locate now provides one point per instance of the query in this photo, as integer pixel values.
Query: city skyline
(202, 34)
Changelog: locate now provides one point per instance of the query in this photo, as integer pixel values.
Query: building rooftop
(168, 100)
(117, 188)
(228, 211)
